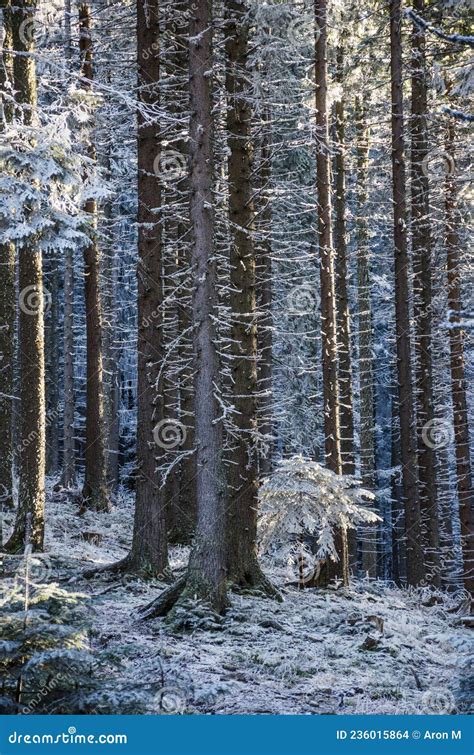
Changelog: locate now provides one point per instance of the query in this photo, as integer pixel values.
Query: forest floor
(370, 649)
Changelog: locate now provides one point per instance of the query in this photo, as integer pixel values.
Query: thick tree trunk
(421, 248)
(242, 564)
(366, 371)
(207, 565)
(181, 491)
(31, 325)
(94, 493)
(7, 295)
(458, 378)
(149, 552)
(332, 435)
(415, 567)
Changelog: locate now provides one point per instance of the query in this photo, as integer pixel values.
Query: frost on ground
(370, 649)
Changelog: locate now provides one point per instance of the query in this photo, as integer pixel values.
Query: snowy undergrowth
(371, 649)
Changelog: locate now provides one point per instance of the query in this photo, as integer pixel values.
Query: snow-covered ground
(370, 649)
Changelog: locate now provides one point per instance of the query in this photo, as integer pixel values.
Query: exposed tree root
(128, 566)
(163, 604)
(252, 581)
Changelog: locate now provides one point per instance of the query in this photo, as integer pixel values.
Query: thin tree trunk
(458, 378)
(415, 568)
(366, 371)
(264, 293)
(69, 457)
(326, 251)
(7, 296)
(95, 494)
(52, 368)
(342, 297)
(31, 325)
(421, 248)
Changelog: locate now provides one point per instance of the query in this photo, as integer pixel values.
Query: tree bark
(346, 417)
(414, 552)
(7, 296)
(149, 552)
(94, 493)
(421, 249)
(366, 372)
(31, 324)
(206, 573)
(458, 378)
(68, 478)
(264, 294)
(242, 563)
(326, 251)
(332, 435)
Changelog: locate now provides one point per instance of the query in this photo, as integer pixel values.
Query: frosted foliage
(303, 498)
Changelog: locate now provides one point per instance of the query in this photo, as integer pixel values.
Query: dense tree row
(298, 222)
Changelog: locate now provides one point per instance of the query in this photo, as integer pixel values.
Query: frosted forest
(236, 357)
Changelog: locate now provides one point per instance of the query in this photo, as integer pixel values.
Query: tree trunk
(243, 568)
(149, 552)
(415, 568)
(421, 249)
(31, 324)
(458, 379)
(332, 443)
(52, 357)
(326, 251)
(346, 417)
(68, 478)
(181, 491)
(207, 565)
(264, 294)
(94, 493)
(366, 371)
(7, 296)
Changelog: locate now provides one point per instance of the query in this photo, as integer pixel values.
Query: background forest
(236, 356)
